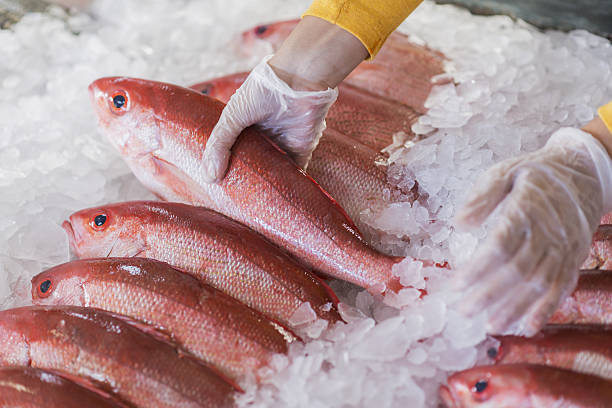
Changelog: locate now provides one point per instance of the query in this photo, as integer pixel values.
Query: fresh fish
(590, 303)
(402, 71)
(211, 325)
(582, 348)
(357, 113)
(25, 387)
(525, 386)
(346, 169)
(137, 367)
(161, 130)
(600, 255)
(207, 245)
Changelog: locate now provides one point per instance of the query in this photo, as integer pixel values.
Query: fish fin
(181, 184)
(187, 355)
(157, 332)
(97, 387)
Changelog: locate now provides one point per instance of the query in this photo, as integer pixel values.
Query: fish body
(211, 247)
(161, 130)
(600, 254)
(402, 71)
(138, 368)
(212, 326)
(525, 386)
(365, 117)
(582, 348)
(590, 303)
(27, 387)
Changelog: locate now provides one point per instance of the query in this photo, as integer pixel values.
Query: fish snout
(447, 397)
(72, 239)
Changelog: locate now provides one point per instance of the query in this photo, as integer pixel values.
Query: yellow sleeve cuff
(605, 113)
(371, 21)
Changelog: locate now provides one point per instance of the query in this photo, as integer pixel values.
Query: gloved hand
(295, 119)
(547, 205)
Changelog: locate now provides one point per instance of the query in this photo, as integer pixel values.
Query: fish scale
(582, 348)
(123, 360)
(27, 387)
(214, 327)
(209, 246)
(262, 188)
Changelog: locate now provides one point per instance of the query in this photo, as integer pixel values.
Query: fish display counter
(128, 280)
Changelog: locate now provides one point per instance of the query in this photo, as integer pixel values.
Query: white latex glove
(547, 206)
(296, 119)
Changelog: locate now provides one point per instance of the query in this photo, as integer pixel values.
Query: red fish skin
(526, 386)
(600, 254)
(27, 387)
(402, 71)
(121, 359)
(156, 294)
(581, 348)
(590, 303)
(357, 113)
(345, 168)
(162, 137)
(209, 246)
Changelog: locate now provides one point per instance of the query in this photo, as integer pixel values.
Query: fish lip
(447, 397)
(67, 226)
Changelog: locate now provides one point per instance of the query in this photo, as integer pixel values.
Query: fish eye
(206, 89)
(480, 386)
(492, 352)
(119, 102)
(259, 30)
(44, 287)
(98, 221)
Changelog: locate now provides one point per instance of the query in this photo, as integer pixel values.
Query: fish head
(222, 88)
(126, 115)
(486, 387)
(61, 285)
(266, 38)
(111, 230)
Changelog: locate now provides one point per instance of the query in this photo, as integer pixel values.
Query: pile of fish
(184, 301)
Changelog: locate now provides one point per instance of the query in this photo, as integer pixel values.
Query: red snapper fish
(525, 386)
(590, 303)
(345, 168)
(600, 254)
(140, 369)
(582, 348)
(357, 113)
(212, 326)
(402, 71)
(25, 387)
(161, 130)
(209, 246)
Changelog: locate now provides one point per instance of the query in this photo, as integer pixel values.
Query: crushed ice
(508, 87)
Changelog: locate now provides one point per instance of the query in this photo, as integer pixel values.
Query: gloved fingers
(546, 305)
(501, 246)
(488, 192)
(489, 292)
(514, 303)
(217, 152)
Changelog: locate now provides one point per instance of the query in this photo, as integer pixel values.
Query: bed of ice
(512, 86)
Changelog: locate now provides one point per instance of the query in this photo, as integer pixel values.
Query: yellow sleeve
(605, 113)
(371, 21)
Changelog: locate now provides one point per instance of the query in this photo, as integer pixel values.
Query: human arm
(289, 94)
(545, 207)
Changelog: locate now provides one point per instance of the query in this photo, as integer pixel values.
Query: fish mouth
(447, 397)
(67, 226)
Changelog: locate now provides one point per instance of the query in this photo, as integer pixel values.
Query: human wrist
(598, 129)
(317, 55)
